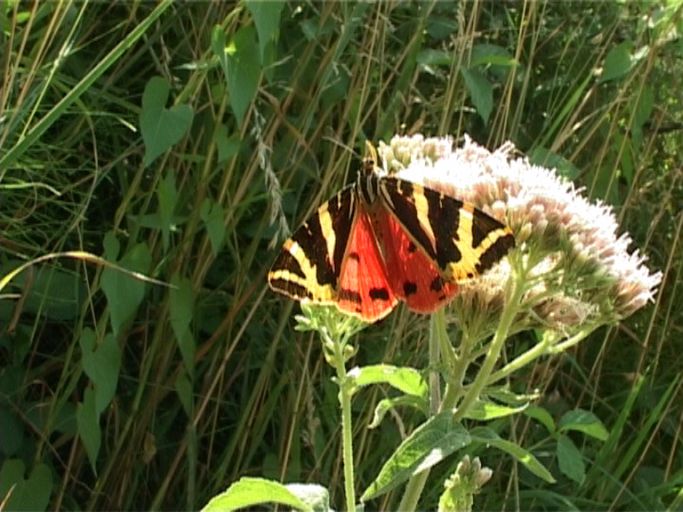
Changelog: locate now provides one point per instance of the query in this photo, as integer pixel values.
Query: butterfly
(383, 240)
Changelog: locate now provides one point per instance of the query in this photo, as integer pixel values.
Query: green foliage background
(180, 141)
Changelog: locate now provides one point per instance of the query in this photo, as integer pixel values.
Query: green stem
(540, 349)
(437, 336)
(347, 430)
(514, 292)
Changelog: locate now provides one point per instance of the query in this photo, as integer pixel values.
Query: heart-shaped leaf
(88, 423)
(161, 127)
(32, 493)
(101, 364)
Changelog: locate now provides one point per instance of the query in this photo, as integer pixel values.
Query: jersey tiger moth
(385, 239)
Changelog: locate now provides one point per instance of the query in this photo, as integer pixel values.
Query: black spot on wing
(409, 288)
(437, 284)
(379, 294)
(444, 218)
(494, 253)
(411, 247)
(353, 255)
(350, 295)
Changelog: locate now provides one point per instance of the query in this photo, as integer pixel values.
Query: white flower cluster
(582, 268)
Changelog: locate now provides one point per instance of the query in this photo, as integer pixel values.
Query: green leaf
(440, 27)
(542, 416)
(642, 113)
(248, 492)
(428, 445)
(406, 380)
(430, 57)
(125, 293)
(617, 63)
(32, 493)
(569, 459)
(481, 92)
(583, 421)
(486, 436)
(181, 314)
(227, 146)
(88, 424)
(243, 71)
(266, 14)
(53, 293)
(112, 247)
(491, 55)
(102, 365)
(161, 127)
(485, 411)
(387, 404)
(213, 216)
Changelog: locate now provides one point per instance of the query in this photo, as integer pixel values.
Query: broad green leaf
(243, 71)
(485, 411)
(88, 423)
(54, 293)
(213, 216)
(181, 314)
(480, 90)
(227, 146)
(487, 436)
(32, 493)
(583, 421)
(266, 14)
(440, 27)
(644, 106)
(248, 492)
(542, 416)
(161, 127)
(387, 404)
(125, 293)
(102, 365)
(431, 442)
(406, 380)
(617, 63)
(430, 57)
(642, 113)
(491, 55)
(569, 459)
(111, 245)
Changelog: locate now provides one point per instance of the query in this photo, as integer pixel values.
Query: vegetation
(155, 156)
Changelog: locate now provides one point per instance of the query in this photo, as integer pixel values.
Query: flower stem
(347, 430)
(514, 292)
(437, 333)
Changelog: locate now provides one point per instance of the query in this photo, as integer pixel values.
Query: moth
(383, 240)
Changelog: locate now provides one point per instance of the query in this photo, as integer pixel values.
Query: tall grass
(119, 394)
